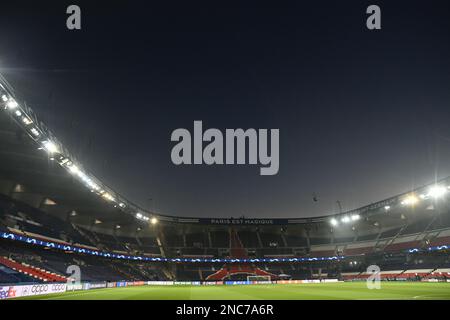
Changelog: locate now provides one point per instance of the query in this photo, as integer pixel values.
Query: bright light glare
(50, 146)
(355, 217)
(345, 219)
(437, 191)
(74, 169)
(4, 98)
(154, 220)
(410, 200)
(12, 104)
(34, 132)
(27, 121)
(92, 185)
(334, 222)
(107, 196)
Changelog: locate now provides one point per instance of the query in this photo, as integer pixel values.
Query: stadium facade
(54, 214)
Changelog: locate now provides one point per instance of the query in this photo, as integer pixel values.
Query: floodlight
(50, 146)
(93, 185)
(107, 196)
(437, 191)
(345, 219)
(12, 104)
(74, 169)
(83, 176)
(355, 217)
(27, 121)
(154, 220)
(334, 222)
(410, 200)
(387, 208)
(34, 132)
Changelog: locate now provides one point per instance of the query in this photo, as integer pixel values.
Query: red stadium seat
(34, 272)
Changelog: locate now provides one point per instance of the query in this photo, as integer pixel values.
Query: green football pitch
(321, 291)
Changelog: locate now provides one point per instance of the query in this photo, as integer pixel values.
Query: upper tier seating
(220, 239)
(416, 227)
(318, 241)
(271, 240)
(294, 241)
(402, 246)
(390, 233)
(249, 239)
(197, 240)
(367, 237)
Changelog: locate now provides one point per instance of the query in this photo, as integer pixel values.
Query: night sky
(363, 115)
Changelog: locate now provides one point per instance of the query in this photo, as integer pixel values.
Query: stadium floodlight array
(27, 120)
(433, 192)
(345, 219)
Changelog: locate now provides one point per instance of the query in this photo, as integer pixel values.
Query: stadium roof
(38, 169)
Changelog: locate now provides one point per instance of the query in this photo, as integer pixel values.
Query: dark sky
(363, 115)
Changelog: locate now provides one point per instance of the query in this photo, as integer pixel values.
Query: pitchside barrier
(435, 280)
(17, 291)
(8, 292)
(307, 281)
(74, 287)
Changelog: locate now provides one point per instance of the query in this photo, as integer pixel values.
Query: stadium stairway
(37, 273)
(237, 251)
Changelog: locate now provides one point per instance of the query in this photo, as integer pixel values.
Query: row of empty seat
(35, 272)
(394, 274)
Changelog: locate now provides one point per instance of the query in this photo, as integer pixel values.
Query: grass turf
(322, 291)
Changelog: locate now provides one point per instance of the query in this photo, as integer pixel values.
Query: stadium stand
(220, 239)
(37, 273)
(49, 198)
